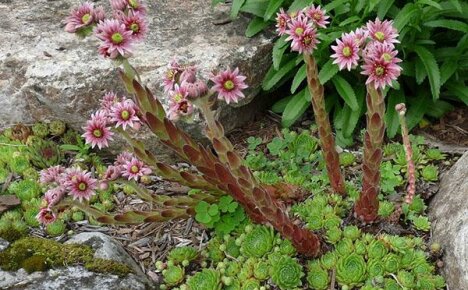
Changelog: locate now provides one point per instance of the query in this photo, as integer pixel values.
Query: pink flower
(51, 174)
(119, 5)
(229, 85)
(382, 31)
(54, 195)
(383, 51)
(112, 172)
(96, 131)
(99, 14)
(123, 158)
(117, 40)
(135, 22)
(178, 103)
(80, 17)
(380, 72)
(360, 35)
(108, 100)
(306, 42)
(317, 15)
(171, 75)
(124, 114)
(82, 186)
(197, 89)
(135, 169)
(46, 216)
(188, 74)
(136, 6)
(297, 27)
(282, 19)
(69, 176)
(346, 52)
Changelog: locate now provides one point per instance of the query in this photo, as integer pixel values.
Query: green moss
(27, 252)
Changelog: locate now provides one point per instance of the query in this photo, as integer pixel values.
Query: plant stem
(327, 141)
(367, 206)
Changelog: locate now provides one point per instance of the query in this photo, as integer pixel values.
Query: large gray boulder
(449, 216)
(46, 73)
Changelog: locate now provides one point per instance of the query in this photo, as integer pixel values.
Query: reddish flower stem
(327, 141)
(367, 206)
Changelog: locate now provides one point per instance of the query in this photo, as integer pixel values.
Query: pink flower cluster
(128, 166)
(374, 44)
(182, 86)
(301, 27)
(113, 112)
(117, 34)
(78, 183)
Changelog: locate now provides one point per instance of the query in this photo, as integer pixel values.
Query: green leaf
(278, 50)
(457, 5)
(216, 2)
(333, 4)
(213, 210)
(255, 7)
(439, 108)
(328, 70)
(447, 69)
(236, 6)
(420, 71)
(280, 105)
(349, 20)
(432, 69)
(273, 6)
(346, 92)
(458, 89)
(372, 4)
(391, 116)
(274, 76)
(449, 24)
(300, 76)
(298, 5)
(255, 26)
(405, 15)
(70, 147)
(430, 3)
(383, 8)
(296, 107)
(417, 109)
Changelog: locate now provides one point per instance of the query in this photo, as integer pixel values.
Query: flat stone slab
(46, 73)
(449, 216)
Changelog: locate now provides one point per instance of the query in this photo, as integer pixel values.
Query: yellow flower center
(134, 169)
(85, 18)
(307, 40)
(134, 27)
(178, 97)
(299, 30)
(387, 57)
(379, 70)
(125, 115)
(228, 85)
(170, 74)
(133, 3)
(82, 186)
(97, 133)
(379, 35)
(117, 38)
(347, 51)
(317, 16)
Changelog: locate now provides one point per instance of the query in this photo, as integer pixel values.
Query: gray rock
(449, 216)
(3, 244)
(46, 73)
(107, 248)
(70, 278)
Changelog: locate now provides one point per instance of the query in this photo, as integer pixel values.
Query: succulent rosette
(206, 279)
(173, 275)
(318, 278)
(351, 270)
(286, 273)
(258, 242)
(184, 253)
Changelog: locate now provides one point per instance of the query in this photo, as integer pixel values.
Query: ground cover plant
(288, 218)
(432, 39)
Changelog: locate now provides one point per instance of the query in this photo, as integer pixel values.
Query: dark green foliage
(45, 154)
(434, 42)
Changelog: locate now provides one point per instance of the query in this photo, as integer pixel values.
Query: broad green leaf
(372, 4)
(457, 5)
(417, 108)
(216, 2)
(439, 108)
(298, 78)
(296, 107)
(432, 69)
(333, 4)
(458, 90)
(273, 6)
(255, 26)
(346, 119)
(236, 6)
(298, 5)
(430, 3)
(328, 70)
(280, 105)
(279, 48)
(447, 69)
(346, 92)
(274, 76)
(349, 20)
(391, 116)
(405, 15)
(383, 8)
(449, 24)
(255, 7)
(360, 5)
(420, 71)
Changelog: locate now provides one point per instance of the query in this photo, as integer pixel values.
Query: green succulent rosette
(235, 285)
(344, 247)
(376, 250)
(213, 251)
(391, 263)
(261, 270)
(287, 273)
(331, 221)
(315, 221)
(180, 254)
(204, 280)
(375, 268)
(258, 242)
(328, 260)
(318, 278)
(286, 248)
(250, 284)
(333, 235)
(232, 249)
(360, 247)
(391, 284)
(173, 275)
(351, 270)
(232, 268)
(351, 232)
(406, 279)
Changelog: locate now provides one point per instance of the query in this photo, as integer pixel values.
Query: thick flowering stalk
(367, 205)
(327, 141)
(401, 110)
